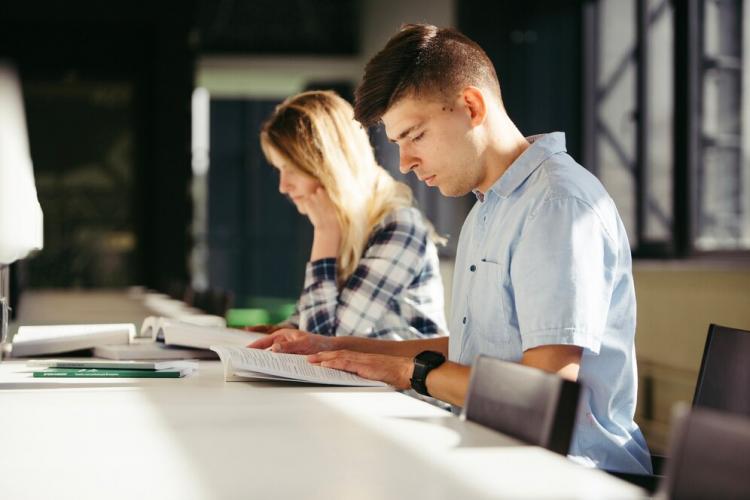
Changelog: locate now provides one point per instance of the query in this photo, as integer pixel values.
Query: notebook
(111, 373)
(108, 364)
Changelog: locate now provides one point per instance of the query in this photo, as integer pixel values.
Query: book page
(203, 337)
(288, 366)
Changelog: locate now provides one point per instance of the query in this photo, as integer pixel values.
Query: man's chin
(452, 191)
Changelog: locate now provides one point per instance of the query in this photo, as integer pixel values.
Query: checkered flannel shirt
(394, 293)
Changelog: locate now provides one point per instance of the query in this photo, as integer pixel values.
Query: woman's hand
(322, 213)
(321, 210)
(296, 342)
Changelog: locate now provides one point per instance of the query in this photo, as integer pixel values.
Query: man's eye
(418, 137)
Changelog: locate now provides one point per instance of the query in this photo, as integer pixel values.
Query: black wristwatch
(424, 362)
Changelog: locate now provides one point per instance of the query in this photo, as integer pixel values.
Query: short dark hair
(421, 59)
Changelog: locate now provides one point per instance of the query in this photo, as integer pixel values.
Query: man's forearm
(449, 382)
(406, 348)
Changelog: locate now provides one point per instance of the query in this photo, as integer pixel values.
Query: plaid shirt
(394, 293)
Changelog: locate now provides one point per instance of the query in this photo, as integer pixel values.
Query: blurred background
(143, 123)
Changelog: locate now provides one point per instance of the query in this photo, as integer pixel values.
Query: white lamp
(20, 213)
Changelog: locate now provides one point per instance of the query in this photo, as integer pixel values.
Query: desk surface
(200, 437)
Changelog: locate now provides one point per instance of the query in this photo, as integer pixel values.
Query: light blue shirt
(543, 259)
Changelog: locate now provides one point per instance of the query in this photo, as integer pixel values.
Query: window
(663, 113)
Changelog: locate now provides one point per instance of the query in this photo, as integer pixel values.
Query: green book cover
(108, 373)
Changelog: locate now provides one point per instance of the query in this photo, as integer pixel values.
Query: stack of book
(111, 369)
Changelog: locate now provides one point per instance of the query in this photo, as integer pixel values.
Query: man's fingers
(291, 346)
(282, 345)
(263, 343)
(339, 364)
(345, 363)
(268, 341)
(324, 356)
(342, 360)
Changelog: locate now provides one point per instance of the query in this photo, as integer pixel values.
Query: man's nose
(407, 162)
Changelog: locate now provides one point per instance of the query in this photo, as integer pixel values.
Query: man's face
(437, 142)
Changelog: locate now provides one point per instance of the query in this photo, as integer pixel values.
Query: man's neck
(505, 145)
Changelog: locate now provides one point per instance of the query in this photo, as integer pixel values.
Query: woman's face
(293, 183)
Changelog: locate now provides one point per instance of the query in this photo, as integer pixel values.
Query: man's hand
(295, 342)
(395, 371)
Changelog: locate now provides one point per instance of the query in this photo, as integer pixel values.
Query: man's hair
(422, 59)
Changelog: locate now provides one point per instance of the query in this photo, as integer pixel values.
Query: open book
(180, 333)
(150, 350)
(159, 338)
(242, 364)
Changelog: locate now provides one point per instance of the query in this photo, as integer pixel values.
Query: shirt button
(472, 268)
(464, 320)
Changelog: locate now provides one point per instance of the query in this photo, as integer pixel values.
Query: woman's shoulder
(402, 218)
(400, 224)
(402, 228)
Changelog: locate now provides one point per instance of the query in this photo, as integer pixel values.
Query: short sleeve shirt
(543, 259)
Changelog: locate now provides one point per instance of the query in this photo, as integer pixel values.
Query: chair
(525, 403)
(711, 456)
(724, 377)
(723, 381)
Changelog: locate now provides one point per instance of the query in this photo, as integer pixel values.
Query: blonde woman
(373, 268)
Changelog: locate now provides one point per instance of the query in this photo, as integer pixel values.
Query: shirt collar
(542, 147)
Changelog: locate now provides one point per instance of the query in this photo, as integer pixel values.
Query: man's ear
(475, 104)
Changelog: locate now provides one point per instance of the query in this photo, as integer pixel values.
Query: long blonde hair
(316, 133)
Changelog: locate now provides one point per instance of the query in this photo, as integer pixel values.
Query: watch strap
(424, 363)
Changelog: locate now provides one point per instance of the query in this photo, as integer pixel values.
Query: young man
(543, 269)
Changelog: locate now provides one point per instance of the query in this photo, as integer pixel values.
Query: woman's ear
(475, 104)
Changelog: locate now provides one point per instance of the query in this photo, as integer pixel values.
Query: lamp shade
(20, 213)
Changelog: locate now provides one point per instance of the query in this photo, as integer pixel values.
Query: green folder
(258, 310)
(109, 373)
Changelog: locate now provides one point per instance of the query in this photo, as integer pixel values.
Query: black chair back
(525, 403)
(724, 376)
(710, 457)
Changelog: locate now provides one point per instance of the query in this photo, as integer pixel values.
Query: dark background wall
(536, 46)
(108, 90)
(258, 242)
(129, 223)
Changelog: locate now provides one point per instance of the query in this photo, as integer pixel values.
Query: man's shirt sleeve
(562, 273)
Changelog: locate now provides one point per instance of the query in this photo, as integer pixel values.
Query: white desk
(202, 438)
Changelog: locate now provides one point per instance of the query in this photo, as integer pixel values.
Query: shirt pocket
(488, 315)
